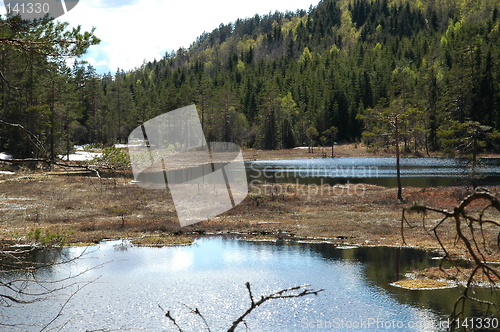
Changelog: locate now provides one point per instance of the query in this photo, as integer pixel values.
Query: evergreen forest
(343, 70)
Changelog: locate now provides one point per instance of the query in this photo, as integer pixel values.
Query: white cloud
(95, 62)
(136, 30)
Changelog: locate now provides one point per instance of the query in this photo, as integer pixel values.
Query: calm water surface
(416, 172)
(211, 275)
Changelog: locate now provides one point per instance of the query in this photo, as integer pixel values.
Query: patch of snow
(347, 247)
(81, 156)
(5, 156)
(301, 147)
(7, 172)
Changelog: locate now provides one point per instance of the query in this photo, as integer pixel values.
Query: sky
(134, 31)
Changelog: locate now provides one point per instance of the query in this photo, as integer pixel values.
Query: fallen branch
(26, 160)
(49, 162)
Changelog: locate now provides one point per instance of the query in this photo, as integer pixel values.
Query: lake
(415, 172)
(124, 293)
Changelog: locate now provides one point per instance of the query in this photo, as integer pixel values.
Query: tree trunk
(398, 166)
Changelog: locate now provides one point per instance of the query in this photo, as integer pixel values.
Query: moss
(422, 284)
(163, 240)
(82, 244)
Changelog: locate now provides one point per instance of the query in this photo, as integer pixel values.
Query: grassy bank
(89, 209)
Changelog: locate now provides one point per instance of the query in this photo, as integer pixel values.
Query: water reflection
(211, 275)
(415, 172)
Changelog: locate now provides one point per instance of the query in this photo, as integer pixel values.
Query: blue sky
(134, 31)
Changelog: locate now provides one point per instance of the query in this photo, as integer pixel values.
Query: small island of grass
(163, 240)
(423, 284)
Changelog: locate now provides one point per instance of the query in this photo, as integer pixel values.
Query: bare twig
(59, 313)
(292, 292)
(470, 233)
(287, 293)
(198, 313)
(33, 138)
(169, 316)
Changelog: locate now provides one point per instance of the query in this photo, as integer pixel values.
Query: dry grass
(89, 209)
(422, 284)
(341, 150)
(458, 274)
(163, 240)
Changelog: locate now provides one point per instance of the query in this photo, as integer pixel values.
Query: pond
(415, 172)
(127, 290)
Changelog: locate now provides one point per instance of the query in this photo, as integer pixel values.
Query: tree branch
(282, 294)
(292, 292)
(33, 138)
(478, 245)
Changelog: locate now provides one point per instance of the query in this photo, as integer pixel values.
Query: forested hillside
(284, 79)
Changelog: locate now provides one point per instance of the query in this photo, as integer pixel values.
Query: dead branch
(50, 162)
(287, 293)
(20, 290)
(169, 316)
(25, 287)
(292, 292)
(197, 312)
(86, 167)
(471, 235)
(33, 138)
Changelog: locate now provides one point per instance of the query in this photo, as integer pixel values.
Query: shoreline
(87, 209)
(431, 278)
(78, 209)
(340, 151)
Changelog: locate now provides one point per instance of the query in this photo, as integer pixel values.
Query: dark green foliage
(40, 112)
(263, 81)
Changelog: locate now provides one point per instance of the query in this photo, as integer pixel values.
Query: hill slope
(285, 79)
(277, 75)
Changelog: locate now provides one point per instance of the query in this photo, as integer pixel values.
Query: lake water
(210, 275)
(416, 172)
